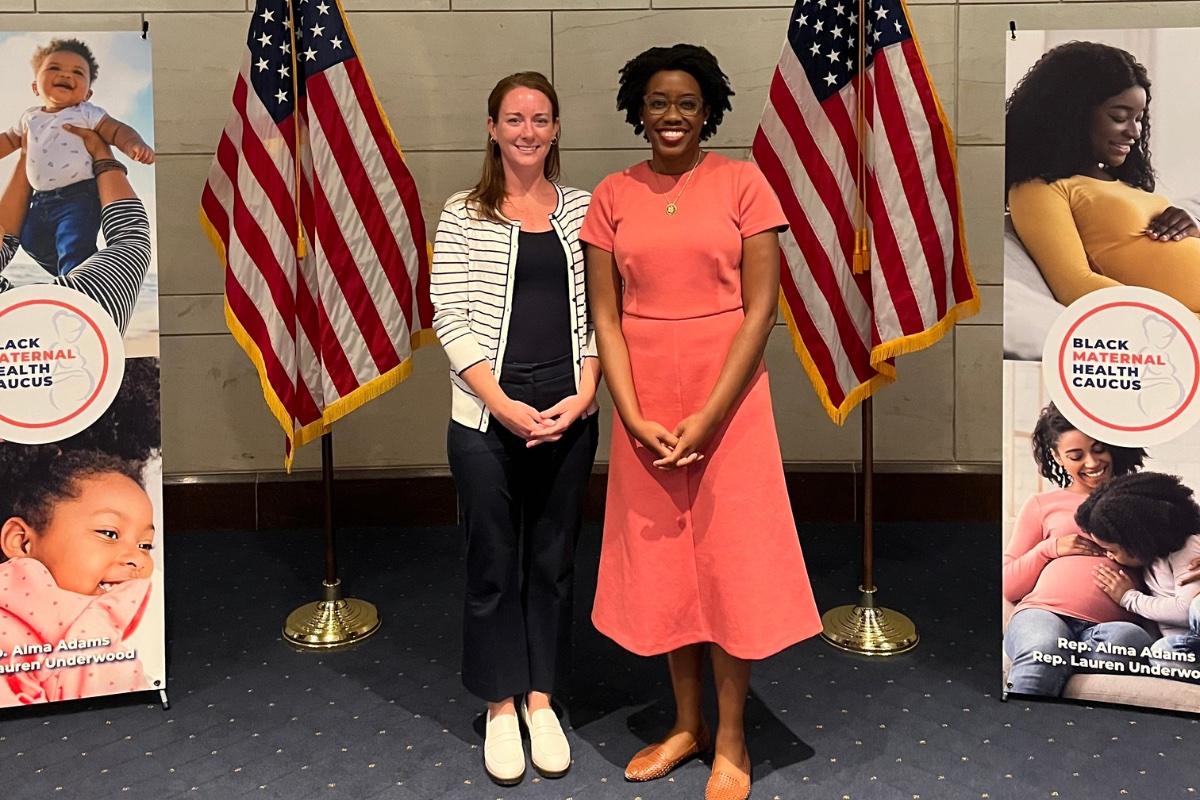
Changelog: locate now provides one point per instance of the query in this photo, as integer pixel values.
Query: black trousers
(521, 509)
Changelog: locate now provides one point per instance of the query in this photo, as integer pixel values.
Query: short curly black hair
(1149, 514)
(76, 46)
(693, 59)
(1048, 116)
(1051, 424)
(35, 477)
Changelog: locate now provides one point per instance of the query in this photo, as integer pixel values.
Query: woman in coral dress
(700, 549)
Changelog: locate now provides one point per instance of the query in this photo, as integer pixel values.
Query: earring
(554, 140)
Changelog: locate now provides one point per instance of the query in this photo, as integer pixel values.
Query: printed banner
(1101, 557)
(81, 562)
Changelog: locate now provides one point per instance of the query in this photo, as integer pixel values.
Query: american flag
(848, 325)
(329, 316)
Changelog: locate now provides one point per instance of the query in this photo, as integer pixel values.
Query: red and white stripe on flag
(847, 327)
(331, 323)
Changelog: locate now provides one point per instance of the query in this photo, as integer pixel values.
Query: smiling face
(1087, 461)
(1116, 126)
(674, 113)
(62, 80)
(524, 129)
(101, 537)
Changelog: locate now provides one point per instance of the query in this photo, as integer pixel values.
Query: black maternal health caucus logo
(61, 363)
(1123, 364)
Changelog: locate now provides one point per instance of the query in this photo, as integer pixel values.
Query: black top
(539, 325)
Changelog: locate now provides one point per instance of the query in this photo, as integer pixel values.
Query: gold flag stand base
(867, 629)
(333, 622)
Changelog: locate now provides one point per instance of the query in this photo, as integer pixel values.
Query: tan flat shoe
(724, 786)
(549, 749)
(503, 752)
(652, 762)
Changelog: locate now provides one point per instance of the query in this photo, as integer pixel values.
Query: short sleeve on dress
(598, 227)
(758, 207)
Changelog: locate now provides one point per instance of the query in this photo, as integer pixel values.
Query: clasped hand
(679, 447)
(536, 427)
(1172, 225)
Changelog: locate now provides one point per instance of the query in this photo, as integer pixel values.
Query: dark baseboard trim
(817, 496)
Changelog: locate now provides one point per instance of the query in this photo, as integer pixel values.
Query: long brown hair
(488, 194)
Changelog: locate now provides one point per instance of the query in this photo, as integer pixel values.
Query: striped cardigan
(474, 264)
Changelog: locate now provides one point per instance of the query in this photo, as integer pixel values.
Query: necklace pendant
(671, 209)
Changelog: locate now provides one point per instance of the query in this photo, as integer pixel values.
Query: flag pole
(866, 628)
(335, 620)
(300, 245)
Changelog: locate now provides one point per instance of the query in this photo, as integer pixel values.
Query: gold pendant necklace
(671, 204)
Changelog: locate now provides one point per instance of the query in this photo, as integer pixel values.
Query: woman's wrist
(103, 165)
(633, 421)
(495, 402)
(490, 393)
(99, 149)
(585, 397)
(710, 414)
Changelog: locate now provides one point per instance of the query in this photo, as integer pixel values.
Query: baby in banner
(76, 530)
(63, 222)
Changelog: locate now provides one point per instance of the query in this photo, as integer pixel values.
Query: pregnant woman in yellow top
(1079, 183)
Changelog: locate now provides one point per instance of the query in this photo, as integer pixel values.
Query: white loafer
(548, 746)
(503, 753)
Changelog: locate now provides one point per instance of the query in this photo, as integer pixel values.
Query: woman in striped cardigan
(112, 276)
(511, 313)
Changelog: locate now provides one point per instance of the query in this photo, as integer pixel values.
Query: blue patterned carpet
(252, 718)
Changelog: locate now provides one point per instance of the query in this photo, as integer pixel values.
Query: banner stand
(84, 614)
(1101, 372)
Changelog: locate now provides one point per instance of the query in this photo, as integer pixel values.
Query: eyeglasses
(688, 106)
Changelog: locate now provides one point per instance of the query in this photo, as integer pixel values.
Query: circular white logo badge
(61, 363)
(1123, 364)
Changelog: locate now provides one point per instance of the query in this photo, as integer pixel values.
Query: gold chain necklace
(672, 206)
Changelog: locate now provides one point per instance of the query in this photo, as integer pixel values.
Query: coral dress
(708, 552)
